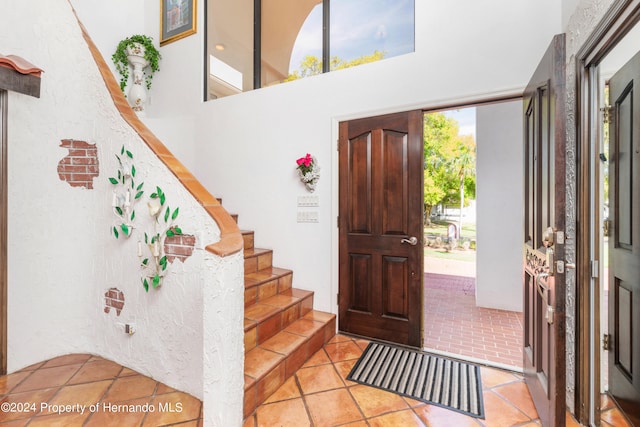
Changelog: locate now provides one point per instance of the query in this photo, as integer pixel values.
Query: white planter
(138, 92)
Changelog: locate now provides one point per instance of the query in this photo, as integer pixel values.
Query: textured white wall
(244, 147)
(248, 143)
(62, 257)
(500, 205)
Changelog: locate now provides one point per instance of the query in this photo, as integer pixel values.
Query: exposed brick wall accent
(81, 165)
(179, 247)
(113, 298)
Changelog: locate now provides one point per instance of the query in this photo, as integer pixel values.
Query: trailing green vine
(126, 194)
(157, 261)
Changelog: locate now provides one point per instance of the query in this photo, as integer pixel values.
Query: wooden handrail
(231, 240)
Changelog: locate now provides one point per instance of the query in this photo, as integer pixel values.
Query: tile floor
(453, 324)
(317, 395)
(320, 395)
(36, 394)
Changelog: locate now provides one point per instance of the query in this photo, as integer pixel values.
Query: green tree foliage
(449, 158)
(312, 65)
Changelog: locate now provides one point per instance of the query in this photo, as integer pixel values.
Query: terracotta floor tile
(288, 413)
(518, 395)
(332, 408)
(494, 377)
(8, 382)
(570, 421)
(499, 413)
(356, 424)
(131, 387)
(110, 415)
(96, 371)
(319, 358)
(33, 367)
(435, 416)
(339, 338)
(374, 402)
(162, 389)
(615, 418)
(69, 359)
(16, 423)
(341, 351)
(68, 420)
(81, 394)
(258, 361)
(47, 378)
(318, 378)
(344, 368)
(284, 343)
(173, 408)
(304, 327)
(288, 390)
(406, 418)
(127, 372)
(32, 398)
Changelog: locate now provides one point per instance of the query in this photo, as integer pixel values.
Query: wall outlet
(130, 328)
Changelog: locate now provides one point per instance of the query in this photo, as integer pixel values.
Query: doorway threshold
(477, 361)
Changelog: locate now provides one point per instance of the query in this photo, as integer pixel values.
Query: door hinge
(595, 269)
(338, 145)
(606, 227)
(606, 342)
(338, 221)
(337, 299)
(607, 112)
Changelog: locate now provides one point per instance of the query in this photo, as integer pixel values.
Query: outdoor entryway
(472, 309)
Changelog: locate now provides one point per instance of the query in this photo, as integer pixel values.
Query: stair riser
(274, 324)
(268, 289)
(262, 389)
(248, 239)
(255, 263)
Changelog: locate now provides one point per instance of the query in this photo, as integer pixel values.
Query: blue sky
(359, 27)
(466, 118)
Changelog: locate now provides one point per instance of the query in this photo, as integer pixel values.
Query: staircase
(281, 328)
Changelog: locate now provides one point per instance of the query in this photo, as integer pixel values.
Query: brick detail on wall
(81, 165)
(113, 298)
(179, 247)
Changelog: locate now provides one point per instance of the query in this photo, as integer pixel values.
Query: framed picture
(177, 19)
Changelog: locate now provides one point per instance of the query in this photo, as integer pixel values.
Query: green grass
(440, 228)
(460, 255)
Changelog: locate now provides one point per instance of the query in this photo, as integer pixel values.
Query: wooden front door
(381, 231)
(624, 241)
(544, 238)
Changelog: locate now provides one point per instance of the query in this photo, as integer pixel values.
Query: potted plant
(139, 45)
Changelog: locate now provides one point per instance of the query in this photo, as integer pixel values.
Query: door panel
(544, 278)
(624, 244)
(381, 203)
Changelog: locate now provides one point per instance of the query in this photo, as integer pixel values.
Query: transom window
(258, 43)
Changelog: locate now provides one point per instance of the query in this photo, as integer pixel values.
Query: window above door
(257, 43)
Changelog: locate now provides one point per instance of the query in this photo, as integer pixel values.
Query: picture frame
(177, 19)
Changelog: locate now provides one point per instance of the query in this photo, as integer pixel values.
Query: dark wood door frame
(616, 23)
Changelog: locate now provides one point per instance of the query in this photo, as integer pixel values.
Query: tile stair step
(267, 318)
(256, 259)
(248, 237)
(270, 364)
(266, 283)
